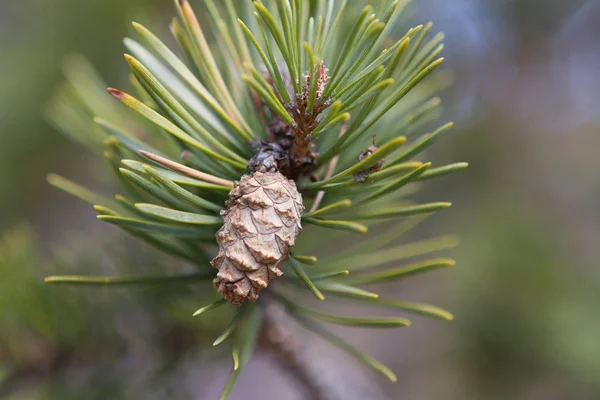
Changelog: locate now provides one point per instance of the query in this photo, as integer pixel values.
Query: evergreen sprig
(332, 74)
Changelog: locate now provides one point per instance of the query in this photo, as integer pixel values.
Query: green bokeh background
(524, 292)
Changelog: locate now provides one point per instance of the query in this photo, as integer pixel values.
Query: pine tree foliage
(324, 92)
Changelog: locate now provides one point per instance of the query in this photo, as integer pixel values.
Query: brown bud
(262, 221)
(362, 176)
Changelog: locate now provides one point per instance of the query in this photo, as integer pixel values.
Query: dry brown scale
(261, 222)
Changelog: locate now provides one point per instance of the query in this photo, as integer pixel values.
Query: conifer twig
(282, 343)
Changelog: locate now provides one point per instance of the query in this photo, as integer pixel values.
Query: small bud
(323, 79)
(363, 175)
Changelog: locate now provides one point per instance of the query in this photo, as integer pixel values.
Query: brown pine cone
(262, 221)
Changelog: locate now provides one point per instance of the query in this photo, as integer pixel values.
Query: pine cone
(262, 221)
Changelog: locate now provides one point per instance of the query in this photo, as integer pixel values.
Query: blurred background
(524, 292)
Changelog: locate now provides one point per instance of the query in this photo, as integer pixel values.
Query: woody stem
(282, 343)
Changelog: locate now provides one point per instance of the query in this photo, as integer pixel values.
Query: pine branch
(234, 148)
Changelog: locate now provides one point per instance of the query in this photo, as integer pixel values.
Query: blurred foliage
(49, 336)
(35, 37)
(531, 318)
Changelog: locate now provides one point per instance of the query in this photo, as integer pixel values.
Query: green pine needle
(338, 225)
(305, 279)
(209, 307)
(126, 280)
(403, 272)
(178, 216)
